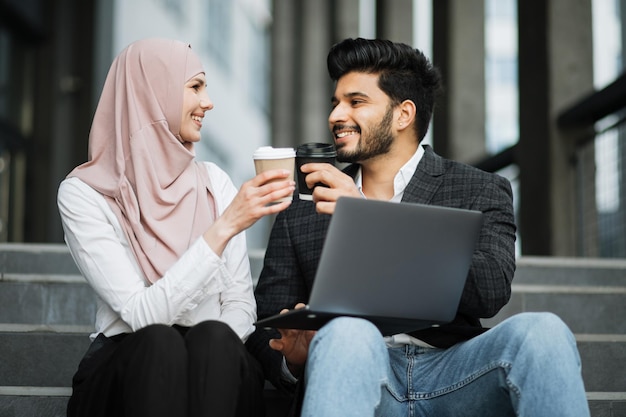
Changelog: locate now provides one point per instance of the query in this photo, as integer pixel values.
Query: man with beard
(526, 366)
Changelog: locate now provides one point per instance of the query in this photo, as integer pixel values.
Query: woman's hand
(250, 204)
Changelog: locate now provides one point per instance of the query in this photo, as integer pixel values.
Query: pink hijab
(136, 159)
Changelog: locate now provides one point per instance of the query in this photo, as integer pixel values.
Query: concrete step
(36, 259)
(47, 403)
(607, 405)
(588, 299)
(51, 302)
(603, 360)
(40, 403)
(37, 379)
(52, 402)
(589, 295)
(49, 359)
(40, 358)
(47, 311)
(547, 270)
(53, 261)
(584, 309)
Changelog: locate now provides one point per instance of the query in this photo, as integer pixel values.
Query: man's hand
(337, 184)
(294, 345)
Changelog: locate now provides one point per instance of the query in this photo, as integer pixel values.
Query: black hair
(404, 72)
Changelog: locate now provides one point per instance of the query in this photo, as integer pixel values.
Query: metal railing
(601, 191)
(600, 171)
(600, 165)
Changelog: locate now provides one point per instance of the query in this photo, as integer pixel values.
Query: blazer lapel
(427, 178)
(425, 182)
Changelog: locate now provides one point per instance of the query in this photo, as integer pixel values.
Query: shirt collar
(402, 178)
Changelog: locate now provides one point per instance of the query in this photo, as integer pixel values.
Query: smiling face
(196, 102)
(361, 119)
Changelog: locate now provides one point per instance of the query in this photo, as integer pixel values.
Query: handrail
(585, 112)
(498, 161)
(595, 106)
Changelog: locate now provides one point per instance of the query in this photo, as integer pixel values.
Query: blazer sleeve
(488, 285)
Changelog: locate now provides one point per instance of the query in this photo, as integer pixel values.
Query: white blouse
(199, 286)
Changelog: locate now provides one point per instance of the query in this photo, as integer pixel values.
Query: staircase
(590, 296)
(47, 311)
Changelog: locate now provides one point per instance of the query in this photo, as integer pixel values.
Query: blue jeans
(527, 366)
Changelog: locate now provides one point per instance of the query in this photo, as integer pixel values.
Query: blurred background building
(534, 90)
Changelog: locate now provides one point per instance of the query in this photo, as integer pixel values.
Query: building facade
(266, 69)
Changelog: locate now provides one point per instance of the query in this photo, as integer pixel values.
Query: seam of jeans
(409, 373)
(490, 367)
(514, 388)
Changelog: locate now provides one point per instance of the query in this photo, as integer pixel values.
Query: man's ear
(406, 114)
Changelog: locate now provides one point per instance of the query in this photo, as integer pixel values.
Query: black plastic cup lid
(316, 149)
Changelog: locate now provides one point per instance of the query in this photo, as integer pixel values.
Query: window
(501, 67)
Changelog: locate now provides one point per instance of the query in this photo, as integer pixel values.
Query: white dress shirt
(199, 286)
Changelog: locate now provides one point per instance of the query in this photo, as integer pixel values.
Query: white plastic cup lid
(268, 152)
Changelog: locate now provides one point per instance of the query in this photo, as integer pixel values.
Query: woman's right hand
(250, 204)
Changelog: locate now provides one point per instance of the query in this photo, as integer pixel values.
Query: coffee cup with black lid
(313, 152)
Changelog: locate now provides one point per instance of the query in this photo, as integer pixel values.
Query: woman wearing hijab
(158, 235)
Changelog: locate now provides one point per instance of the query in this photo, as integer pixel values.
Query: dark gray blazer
(298, 233)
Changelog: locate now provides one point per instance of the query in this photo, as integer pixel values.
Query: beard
(373, 142)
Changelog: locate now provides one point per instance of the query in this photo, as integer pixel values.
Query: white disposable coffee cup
(267, 157)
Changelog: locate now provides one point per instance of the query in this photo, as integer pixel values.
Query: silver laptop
(402, 266)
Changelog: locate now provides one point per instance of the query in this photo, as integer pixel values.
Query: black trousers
(164, 371)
